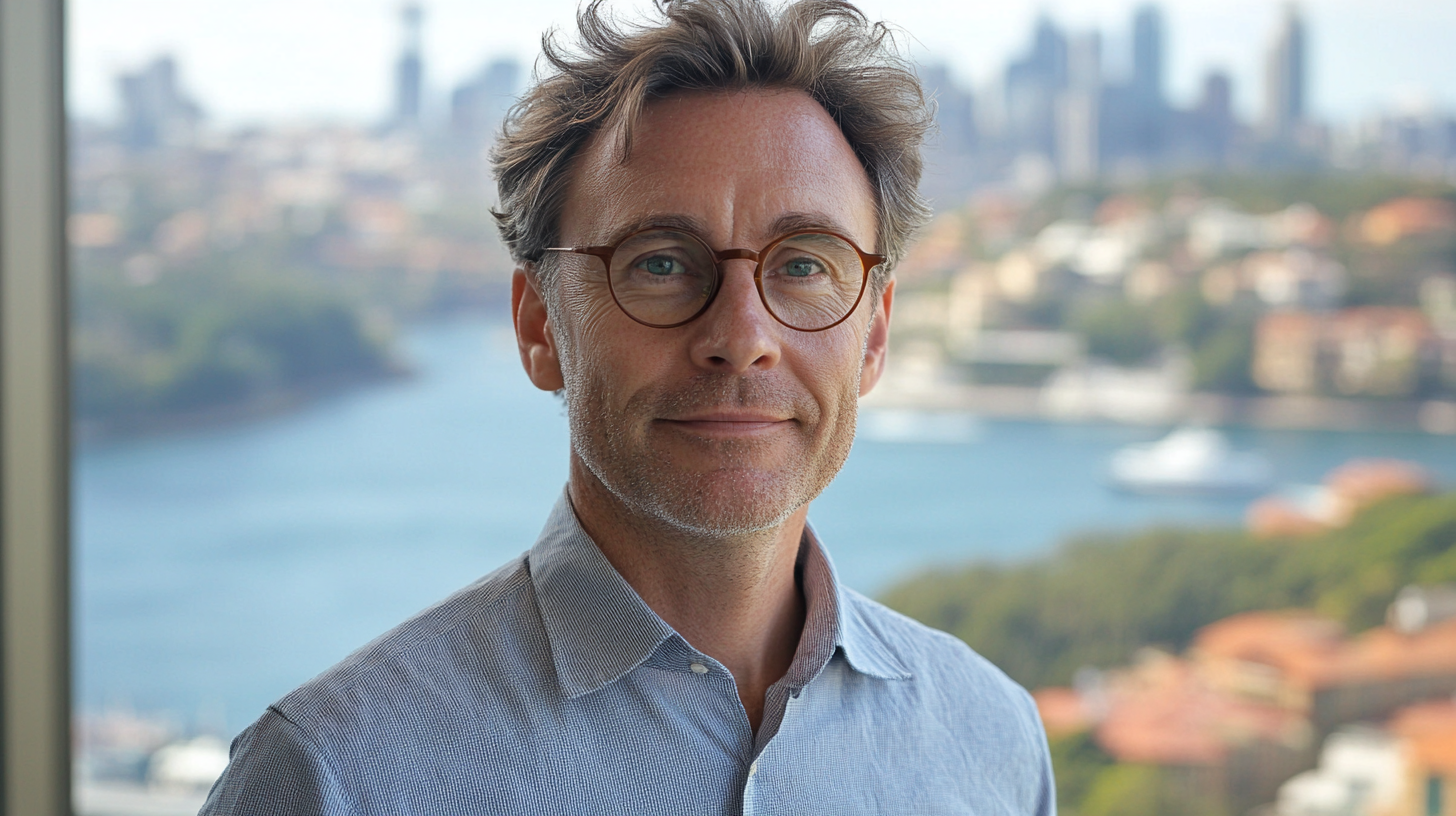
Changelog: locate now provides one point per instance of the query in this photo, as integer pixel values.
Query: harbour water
(217, 569)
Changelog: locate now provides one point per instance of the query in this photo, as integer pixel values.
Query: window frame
(35, 664)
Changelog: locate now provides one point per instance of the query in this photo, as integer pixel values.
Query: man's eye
(662, 266)
(802, 268)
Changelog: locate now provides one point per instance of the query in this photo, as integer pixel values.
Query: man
(704, 212)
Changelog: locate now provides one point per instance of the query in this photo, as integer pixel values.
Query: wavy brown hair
(825, 48)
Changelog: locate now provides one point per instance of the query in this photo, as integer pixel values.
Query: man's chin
(723, 523)
(723, 503)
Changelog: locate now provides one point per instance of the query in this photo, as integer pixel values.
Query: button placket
(748, 791)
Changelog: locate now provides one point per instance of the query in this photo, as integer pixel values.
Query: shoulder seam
(324, 759)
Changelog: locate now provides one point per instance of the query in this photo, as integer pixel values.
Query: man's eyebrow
(786, 223)
(672, 221)
(795, 221)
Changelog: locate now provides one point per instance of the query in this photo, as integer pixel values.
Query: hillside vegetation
(191, 345)
(1097, 599)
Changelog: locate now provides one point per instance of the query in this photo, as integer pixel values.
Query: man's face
(732, 422)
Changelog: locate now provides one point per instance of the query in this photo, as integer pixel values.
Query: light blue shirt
(550, 687)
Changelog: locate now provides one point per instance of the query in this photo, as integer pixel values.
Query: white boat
(1190, 460)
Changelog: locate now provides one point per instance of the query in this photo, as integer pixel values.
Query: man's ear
(534, 336)
(877, 346)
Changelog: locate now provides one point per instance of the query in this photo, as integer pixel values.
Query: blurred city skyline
(333, 61)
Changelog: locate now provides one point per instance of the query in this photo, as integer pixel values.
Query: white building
(1361, 773)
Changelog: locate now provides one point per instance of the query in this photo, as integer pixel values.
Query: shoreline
(88, 434)
(1305, 413)
(1434, 417)
(396, 366)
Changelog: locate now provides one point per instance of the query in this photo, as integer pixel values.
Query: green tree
(197, 342)
(1125, 790)
(1096, 600)
(1224, 361)
(1077, 762)
(1116, 330)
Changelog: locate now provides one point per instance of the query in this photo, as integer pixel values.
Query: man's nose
(736, 334)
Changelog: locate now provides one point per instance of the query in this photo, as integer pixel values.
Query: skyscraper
(1135, 117)
(1211, 124)
(1033, 85)
(1285, 78)
(1079, 110)
(1216, 103)
(1147, 56)
(955, 109)
(409, 71)
(154, 111)
(479, 104)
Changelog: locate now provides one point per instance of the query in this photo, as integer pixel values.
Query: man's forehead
(686, 222)
(775, 158)
(718, 121)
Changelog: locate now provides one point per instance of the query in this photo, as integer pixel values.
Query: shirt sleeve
(274, 768)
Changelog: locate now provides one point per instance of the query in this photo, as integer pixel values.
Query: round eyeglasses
(809, 280)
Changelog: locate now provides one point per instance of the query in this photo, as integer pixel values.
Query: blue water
(216, 570)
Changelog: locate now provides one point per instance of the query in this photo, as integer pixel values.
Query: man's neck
(734, 598)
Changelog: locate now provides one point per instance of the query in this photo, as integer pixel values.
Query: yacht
(1190, 460)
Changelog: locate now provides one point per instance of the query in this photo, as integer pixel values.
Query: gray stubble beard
(647, 485)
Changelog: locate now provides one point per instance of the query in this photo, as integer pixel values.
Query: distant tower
(1078, 110)
(955, 110)
(1147, 56)
(479, 104)
(1216, 103)
(154, 111)
(1285, 78)
(409, 71)
(1215, 116)
(1033, 84)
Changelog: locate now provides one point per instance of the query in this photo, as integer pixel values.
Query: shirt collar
(865, 645)
(600, 629)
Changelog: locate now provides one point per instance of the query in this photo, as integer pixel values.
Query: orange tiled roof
(1362, 321)
(1308, 651)
(1383, 654)
(1177, 719)
(1429, 730)
(1404, 217)
(1365, 481)
(1062, 711)
(1289, 322)
(1120, 208)
(1167, 711)
(1276, 517)
(1296, 643)
(1352, 487)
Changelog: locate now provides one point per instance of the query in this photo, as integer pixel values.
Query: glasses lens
(812, 280)
(662, 277)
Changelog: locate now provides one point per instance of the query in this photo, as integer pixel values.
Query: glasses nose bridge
(735, 255)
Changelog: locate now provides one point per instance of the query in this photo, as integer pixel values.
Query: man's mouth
(729, 422)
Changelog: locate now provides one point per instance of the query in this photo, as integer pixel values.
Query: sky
(332, 60)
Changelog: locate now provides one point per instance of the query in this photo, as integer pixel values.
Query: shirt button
(752, 769)
(698, 668)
